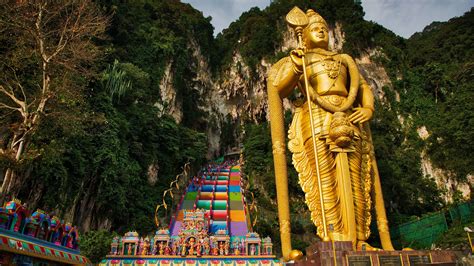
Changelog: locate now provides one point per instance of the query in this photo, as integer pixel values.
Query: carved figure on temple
(207, 247)
(329, 137)
(215, 251)
(191, 225)
(155, 249)
(167, 250)
(226, 248)
(175, 248)
(221, 248)
(199, 248)
(252, 249)
(140, 246)
(182, 246)
(191, 246)
(146, 247)
(199, 226)
(161, 248)
(129, 249)
(236, 248)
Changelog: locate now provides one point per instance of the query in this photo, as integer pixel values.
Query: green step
(190, 195)
(235, 196)
(219, 205)
(204, 204)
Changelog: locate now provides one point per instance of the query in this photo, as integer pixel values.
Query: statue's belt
(335, 100)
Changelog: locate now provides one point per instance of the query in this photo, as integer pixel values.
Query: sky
(403, 17)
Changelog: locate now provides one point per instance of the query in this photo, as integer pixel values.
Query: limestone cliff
(238, 92)
(194, 95)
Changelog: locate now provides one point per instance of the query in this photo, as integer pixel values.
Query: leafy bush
(95, 245)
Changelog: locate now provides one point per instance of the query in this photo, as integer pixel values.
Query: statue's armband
(282, 77)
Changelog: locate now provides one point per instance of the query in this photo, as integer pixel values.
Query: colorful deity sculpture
(175, 248)
(253, 250)
(114, 246)
(191, 246)
(237, 248)
(161, 248)
(146, 246)
(129, 249)
(226, 248)
(140, 246)
(329, 137)
(155, 249)
(221, 248)
(207, 248)
(183, 247)
(215, 251)
(130, 243)
(199, 248)
(167, 250)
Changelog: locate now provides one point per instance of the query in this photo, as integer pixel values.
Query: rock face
(374, 73)
(443, 178)
(173, 106)
(237, 94)
(446, 180)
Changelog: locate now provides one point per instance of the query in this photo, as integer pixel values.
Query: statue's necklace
(332, 67)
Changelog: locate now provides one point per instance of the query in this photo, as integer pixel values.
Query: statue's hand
(297, 58)
(361, 115)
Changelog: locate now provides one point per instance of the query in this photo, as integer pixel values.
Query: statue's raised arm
(329, 138)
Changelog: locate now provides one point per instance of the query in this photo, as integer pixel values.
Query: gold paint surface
(329, 138)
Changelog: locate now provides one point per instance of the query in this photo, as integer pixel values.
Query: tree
(95, 245)
(46, 54)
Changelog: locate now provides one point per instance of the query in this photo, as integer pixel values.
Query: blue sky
(404, 17)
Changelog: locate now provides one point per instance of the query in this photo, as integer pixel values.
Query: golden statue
(329, 138)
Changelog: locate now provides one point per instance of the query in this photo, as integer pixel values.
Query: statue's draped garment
(336, 201)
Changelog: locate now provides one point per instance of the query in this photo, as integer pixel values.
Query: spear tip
(297, 18)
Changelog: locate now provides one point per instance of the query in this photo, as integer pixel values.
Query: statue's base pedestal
(340, 253)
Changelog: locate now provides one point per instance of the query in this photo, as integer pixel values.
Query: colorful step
(219, 193)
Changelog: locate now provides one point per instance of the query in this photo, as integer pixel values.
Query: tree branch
(62, 40)
(5, 106)
(18, 83)
(40, 33)
(12, 97)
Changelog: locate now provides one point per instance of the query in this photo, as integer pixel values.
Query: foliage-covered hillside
(114, 135)
(106, 162)
(442, 58)
(428, 90)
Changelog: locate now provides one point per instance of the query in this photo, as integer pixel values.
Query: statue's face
(317, 36)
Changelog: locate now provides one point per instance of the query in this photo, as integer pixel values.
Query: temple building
(211, 224)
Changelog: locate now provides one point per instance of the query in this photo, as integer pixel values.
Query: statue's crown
(314, 17)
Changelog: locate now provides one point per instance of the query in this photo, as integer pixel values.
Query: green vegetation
(107, 147)
(442, 56)
(95, 245)
(455, 238)
(428, 89)
(105, 152)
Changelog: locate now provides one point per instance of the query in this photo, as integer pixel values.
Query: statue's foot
(362, 245)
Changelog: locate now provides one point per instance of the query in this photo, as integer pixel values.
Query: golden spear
(298, 20)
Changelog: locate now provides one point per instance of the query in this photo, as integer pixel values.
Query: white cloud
(405, 17)
(223, 12)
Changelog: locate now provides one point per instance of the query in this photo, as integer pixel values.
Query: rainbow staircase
(217, 190)
(210, 227)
